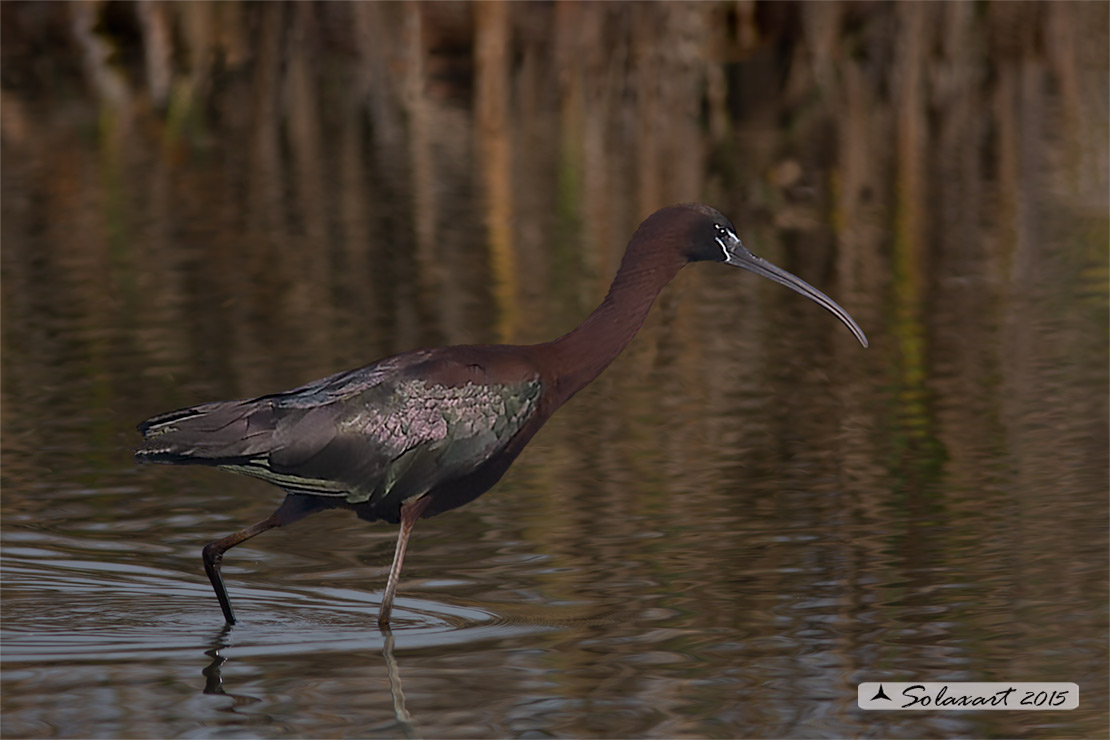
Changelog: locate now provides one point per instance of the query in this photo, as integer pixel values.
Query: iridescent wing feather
(381, 433)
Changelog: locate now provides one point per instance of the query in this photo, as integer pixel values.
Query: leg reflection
(404, 719)
(213, 677)
(214, 682)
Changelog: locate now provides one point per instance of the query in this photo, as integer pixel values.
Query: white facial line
(723, 231)
(722, 245)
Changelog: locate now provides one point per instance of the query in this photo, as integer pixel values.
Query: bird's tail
(218, 433)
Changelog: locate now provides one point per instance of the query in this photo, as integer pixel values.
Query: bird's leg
(213, 555)
(291, 509)
(410, 512)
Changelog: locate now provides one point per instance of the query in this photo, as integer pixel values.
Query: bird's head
(707, 235)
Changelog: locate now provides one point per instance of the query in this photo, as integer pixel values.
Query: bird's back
(374, 437)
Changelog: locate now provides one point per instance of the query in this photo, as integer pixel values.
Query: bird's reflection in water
(214, 680)
(404, 719)
(213, 677)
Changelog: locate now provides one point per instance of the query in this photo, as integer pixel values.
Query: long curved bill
(739, 255)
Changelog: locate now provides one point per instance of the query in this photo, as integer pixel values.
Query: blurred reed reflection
(204, 201)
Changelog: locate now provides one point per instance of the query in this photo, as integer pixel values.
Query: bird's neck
(579, 356)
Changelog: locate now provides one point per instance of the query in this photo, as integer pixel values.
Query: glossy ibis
(426, 431)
